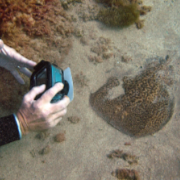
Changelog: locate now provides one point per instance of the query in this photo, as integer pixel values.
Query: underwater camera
(50, 74)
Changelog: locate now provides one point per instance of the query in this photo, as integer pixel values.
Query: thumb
(35, 91)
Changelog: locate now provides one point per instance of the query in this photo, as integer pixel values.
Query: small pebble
(60, 137)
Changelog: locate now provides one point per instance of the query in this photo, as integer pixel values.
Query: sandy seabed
(83, 155)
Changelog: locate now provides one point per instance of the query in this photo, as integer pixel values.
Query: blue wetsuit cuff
(18, 126)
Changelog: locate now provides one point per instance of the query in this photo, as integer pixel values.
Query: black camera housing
(49, 74)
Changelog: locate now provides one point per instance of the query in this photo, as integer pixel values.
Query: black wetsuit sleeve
(8, 130)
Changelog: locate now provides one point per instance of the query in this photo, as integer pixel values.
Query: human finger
(58, 114)
(17, 76)
(22, 61)
(52, 123)
(25, 71)
(60, 105)
(56, 121)
(34, 92)
(50, 93)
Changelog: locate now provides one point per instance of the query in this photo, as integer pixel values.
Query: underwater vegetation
(103, 50)
(67, 3)
(27, 15)
(22, 21)
(126, 174)
(146, 105)
(122, 13)
(131, 159)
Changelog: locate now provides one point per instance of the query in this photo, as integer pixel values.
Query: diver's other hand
(13, 61)
(41, 114)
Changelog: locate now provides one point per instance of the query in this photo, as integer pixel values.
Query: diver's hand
(13, 61)
(41, 114)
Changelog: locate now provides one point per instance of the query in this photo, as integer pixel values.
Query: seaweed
(67, 3)
(28, 15)
(103, 50)
(131, 159)
(21, 21)
(122, 16)
(121, 13)
(126, 174)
